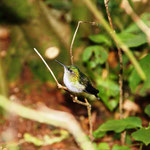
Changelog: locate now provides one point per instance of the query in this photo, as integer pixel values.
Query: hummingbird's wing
(88, 86)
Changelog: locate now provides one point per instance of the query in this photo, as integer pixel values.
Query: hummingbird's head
(71, 71)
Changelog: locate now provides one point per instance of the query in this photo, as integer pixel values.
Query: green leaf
(132, 35)
(103, 146)
(98, 134)
(32, 139)
(120, 125)
(101, 39)
(10, 146)
(108, 92)
(147, 110)
(47, 140)
(110, 86)
(135, 80)
(142, 135)
(87, 53)
(117, 147)
(92, 64)
(97, 53)
(133, 28)
(133, 40)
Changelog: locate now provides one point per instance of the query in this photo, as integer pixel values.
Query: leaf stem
(141, 146)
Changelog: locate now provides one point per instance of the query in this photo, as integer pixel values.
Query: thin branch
(123, 137)
(51, 117)
(59, 85)
(120, 59)
(126, 6)
(88, 106)
(92, 7)
(75, 100)
(90, 119)
(74, 36)
(108, 13)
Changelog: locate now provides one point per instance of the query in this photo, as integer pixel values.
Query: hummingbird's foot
(75, 100)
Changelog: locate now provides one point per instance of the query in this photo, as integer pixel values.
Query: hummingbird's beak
(60, 63)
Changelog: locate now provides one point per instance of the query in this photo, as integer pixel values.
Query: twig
(114, 36)
(51, 117)
(90, 119)
(75, 100)
(88, 106)
(108, 14)
(74, 36)
(120, 73)
(126, 6)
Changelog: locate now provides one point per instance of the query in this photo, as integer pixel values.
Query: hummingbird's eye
(71, 71)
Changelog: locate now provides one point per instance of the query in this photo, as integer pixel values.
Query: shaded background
(49, 25)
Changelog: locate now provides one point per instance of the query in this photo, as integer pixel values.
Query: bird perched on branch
(76, 81)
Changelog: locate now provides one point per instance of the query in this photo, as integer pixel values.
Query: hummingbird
(76, 81)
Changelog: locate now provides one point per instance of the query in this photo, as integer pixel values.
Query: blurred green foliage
(135, 81)
(103, 146)
(142, 135)
(47, 139)
(134, 38)
(59, 4)
(119, 125)
(10, 146)
(39, 70)
(118, 147)
(14, 11)
(147, 110)
(94, 55)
